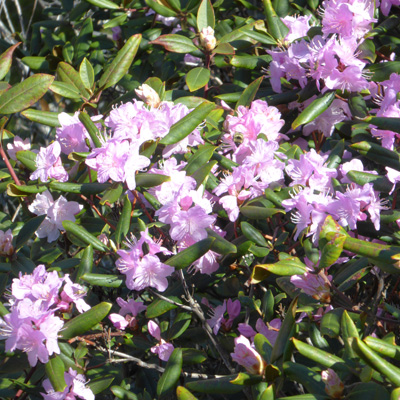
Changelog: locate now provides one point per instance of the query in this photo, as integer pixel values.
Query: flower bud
(207, 38)
(6, 247)
(333, 385)
(148, 95)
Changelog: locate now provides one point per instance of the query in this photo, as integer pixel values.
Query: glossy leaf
(286, 332)
(310, 379)
(121, 63)
(25, 94)
(86, 73)
(287, 267)
(316, 108)
(55, 372)
(104, 4)
(205, 15)
(197, 77)
(220, 245)
(43, 117)
(263, 347)
(69, 75)
(160, 8)
(121, 393)
(187, 257)
(382, 71)
(86, 264)
(124, 221)
(82, 234)
(221, 385)
(6, 60)
(65, 90)
(24, 190)
(382, 347)
(256, 212)
(159, 307)
(188, 124)
(253, 234)
(28, 230)
(330, 323)
(274, 24)
(171, 374)
(175, 43)
(199, 158)
(84, 188)
(380, 183)
(102, 280)
(348, 330)
(27, 158)
(183, 394)
(375, 361)
(91, 128)
(249, 93)
(86, 321)
(150, 180)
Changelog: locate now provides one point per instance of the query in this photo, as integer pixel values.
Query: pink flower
(17, 145)
(48, 164)
(314, 285)
(245, 355)
(298, 27)
(162, 349)
(128, 312)
(76, 388)
(73, 293)
(56, 212)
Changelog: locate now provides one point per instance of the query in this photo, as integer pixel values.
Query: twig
(160, 296)
(21, 20)
(200, 315)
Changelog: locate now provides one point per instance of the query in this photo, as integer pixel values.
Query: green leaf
(119, 67)
(197, 77)
(171, 374)
(86, 264)
(192, 356)
(320, 356)
(65, 90)
(246, 379)
(124, 394)
(249, 93)
(82, 234)
(199, 158)
(380, 183)
(310, 379)
(224, 48)
(382, 347)
(24, 190)
(253, 234)
(6, 60)
(387, 124)
(161, 9)
(382, 71)
(286, 332)
(124, 221)
(274, 24)
(69, 75)
(378, 154)
(159, 307)
(184, 394)
(368, 391)
(187, 257)
(27, 158)
(205, 15)
(55, 372)
(91, 128)
(100, 384)
(79, 188)
(181, 323)
(316, 108)
(150, 180)
(259, 36)
(330, 323)
(104, 4)
(348, 330)
(376, 362)
(220, 245)
(86, 321)
(357, 105)
(263, 347)
(222, 385)
(202, 174)
(331, 251)
(181, 129)
(175, 43)
(255, 212)
(25, 94)
(43, 117)
(102, 280)
(28, 230)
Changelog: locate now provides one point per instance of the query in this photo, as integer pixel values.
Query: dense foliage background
(199, 199)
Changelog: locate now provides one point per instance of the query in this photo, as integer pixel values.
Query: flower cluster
(32, 324)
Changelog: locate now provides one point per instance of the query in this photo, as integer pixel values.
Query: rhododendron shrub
(199, 199)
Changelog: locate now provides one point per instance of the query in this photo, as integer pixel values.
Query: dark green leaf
(197, 77)
(171, 374)
(175, 43)
(55, 372)
(102, 280)
(104, 4)
(43, 117)
(86, 264)
(249, 93)
(69, 75)
(205, 15)
(124, 221)
(28, 230)
(6, 60)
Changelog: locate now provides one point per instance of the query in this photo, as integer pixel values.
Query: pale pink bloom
(134, 163)
(126, 317)
(162, 348)
(269, 330)
(245, 355)
(298, 27)
(56, 211)
(314, 285)
(386, 5)
(350, 79)
(48, 164)
(6, 247)
(76, 388)
(18, 145)
(333, 385)
(73, 293)
(217, 313)
(393, 176)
